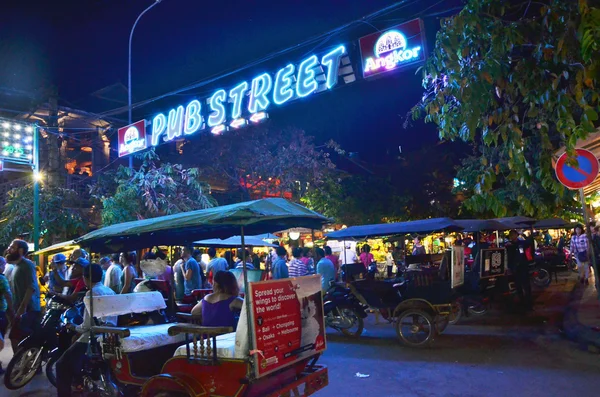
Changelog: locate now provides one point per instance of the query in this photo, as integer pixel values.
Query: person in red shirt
(334, 259)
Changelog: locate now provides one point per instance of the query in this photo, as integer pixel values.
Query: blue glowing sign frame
(405, 46)
(249, 101)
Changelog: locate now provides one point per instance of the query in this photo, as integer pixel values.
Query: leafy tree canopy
(155, 189)
(417, 186)
(518, 80)
(262, 160)
(60, 219)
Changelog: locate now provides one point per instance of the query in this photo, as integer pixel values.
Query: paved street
(496, 355)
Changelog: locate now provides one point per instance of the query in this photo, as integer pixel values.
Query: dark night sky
(81, 46)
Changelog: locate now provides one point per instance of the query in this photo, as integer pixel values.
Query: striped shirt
(297, 268)
(579, 243)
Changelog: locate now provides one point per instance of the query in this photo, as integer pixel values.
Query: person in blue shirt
(191, 271)
(325, 269)
(279, 267)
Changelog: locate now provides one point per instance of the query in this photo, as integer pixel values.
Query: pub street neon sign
(250, 100)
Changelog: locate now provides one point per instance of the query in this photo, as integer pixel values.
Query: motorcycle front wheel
(23, 367)
(358, 324)
(541, 278)
(51, 369)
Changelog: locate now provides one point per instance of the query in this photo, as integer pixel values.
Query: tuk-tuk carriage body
(191, 360)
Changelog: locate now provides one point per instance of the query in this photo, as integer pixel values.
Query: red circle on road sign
(577, 177)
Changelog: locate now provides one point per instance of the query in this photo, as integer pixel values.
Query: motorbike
(35, 349)
(343, 311)
(66, 334)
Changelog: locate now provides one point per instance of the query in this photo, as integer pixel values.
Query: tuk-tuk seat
(228, 345)
(140, 338)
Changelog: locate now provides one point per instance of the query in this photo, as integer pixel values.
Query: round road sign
(577, 177)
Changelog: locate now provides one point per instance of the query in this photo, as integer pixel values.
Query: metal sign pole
(592, 254)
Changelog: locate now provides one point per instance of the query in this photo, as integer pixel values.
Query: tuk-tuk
(278, 340)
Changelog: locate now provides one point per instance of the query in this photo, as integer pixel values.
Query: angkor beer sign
(395, 48)
(132, 138)
(249, 100)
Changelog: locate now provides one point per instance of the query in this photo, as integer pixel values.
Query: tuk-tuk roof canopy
(257, 217)
(388, 229)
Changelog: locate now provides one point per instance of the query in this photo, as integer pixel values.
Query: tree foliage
(262, 160)
(153, 190)
(518, 80)
(60, 217)
(418, 186)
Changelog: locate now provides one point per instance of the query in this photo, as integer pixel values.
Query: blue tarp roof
(481, 225)
(552, 223)
(388, 229)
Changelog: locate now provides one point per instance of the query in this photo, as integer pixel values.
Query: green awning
(257, 217)
(56, 248)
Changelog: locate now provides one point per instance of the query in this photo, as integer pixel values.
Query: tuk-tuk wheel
(456, 311)
(415, 328)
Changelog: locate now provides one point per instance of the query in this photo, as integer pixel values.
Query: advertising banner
(493, 262)
(457, 272)
(394, 48)
(132, 138)
(288, 321)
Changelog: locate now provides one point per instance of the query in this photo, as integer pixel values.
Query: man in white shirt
(72, 359)
(112, 279)
(348, 256)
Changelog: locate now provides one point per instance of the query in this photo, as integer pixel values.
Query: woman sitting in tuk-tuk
(221, 308)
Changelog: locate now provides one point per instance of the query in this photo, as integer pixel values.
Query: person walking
(191, 271)
(71, 361)
(179, 280)
(517, 263)
(325, 269)
(26, 295)
(114, 272)
(128, 261)
(280, 267)
(216, 264)
(297, 266)
(580, 247)
(334, 259)
(6, 307)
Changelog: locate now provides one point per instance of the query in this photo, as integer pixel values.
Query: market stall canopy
(389, 229)
(481, 225)
(516, 222)
(56, 248)
(235, 241)
(257, 217)
(552, 223)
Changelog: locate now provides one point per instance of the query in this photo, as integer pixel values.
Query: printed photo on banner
(458, 266)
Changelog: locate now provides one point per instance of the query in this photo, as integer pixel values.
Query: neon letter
(306, 83)
(159, 124)
(332, 61)
(175, 123)
(261, 86)
(193, 118)
(237, 94)
(370, 65)
(282, 92)
(217, 109)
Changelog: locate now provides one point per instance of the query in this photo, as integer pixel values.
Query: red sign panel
(288, 321)
(581, 175)
(132, 138)
(395, 48)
